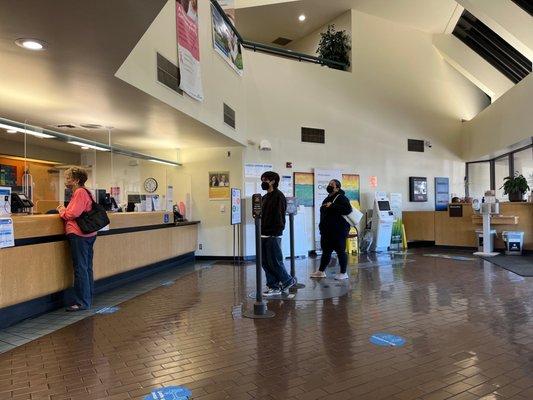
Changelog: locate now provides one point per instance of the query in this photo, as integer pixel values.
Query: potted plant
(335, 45)
(515, 187)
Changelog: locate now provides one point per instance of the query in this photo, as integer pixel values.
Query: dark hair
(78, 174)
(271, 176)
(337, 183)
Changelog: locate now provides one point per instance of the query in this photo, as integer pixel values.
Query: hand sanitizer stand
(488, 209)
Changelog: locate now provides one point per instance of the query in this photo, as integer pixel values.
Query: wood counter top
(29, 226)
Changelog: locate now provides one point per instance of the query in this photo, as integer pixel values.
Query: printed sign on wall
(219, 185)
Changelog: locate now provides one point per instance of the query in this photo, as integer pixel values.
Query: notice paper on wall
(255, 170)
(285, 185)
(7, 234)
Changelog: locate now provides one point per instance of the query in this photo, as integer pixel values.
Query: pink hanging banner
(189, 48)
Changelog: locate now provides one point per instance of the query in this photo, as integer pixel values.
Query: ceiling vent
(415, 145)
(65, 126)
(281, 41)
(91, 126)
(313, 135)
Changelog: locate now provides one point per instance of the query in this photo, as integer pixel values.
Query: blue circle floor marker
(170, 393)
(387, 340)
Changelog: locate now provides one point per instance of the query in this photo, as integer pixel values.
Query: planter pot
(516, 196)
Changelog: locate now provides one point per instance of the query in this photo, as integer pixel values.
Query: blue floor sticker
(168, 283)
(387, 339)
(108, 310)
(170, 393)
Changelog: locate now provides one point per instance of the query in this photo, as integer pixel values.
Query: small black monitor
(134, 198)
(384, 206)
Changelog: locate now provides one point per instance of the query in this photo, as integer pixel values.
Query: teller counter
(35, 272)
(457, 228)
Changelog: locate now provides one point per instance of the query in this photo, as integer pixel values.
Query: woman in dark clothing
(334, 229)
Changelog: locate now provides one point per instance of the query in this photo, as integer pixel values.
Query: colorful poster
(8, 175)
(352, 188)
(396, 207)
(219, 185)
(303, 188)
(322, 178)
(236, 212)
(189, 48)
(225, 42)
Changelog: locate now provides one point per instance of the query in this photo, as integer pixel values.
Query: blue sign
(442, 194)
(108, 310)
(387, 340)
(166, 218)
(170, 393)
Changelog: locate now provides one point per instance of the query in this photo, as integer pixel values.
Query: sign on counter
(7, 234)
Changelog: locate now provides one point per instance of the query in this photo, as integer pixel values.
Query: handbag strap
(90, 195)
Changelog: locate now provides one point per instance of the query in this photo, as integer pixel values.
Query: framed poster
(351, 186)
(236, 213)
(219, 185)
(418, 189)
(304, 189)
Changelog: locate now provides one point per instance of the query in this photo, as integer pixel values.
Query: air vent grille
(168, 74)
(281, 41)
(313, 135)
(415, 145)
(229, 116)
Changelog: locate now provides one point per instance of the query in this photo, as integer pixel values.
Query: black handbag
(94, 220)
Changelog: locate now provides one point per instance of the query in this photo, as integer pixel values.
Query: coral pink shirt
(80, 202)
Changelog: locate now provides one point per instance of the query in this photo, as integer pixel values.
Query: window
(523, 163)
(501, 170)
(478, 179)
(485, 42)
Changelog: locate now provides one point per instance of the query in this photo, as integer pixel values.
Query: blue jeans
(81, 249)
(272, 260)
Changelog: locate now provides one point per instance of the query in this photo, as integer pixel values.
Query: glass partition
(478, 179)
(501, 171)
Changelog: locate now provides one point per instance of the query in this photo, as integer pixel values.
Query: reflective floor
(468, 327)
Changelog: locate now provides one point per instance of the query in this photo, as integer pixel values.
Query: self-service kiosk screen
(384, 206)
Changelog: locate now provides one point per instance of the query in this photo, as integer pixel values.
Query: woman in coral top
(81, 244)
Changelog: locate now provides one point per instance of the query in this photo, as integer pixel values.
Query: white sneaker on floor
(272, 292)
(317, 274)
(341, 277)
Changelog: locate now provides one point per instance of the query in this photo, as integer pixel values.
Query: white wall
(504, 123)
(215, 232)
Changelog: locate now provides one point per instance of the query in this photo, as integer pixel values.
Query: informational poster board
(236, 212)
(285, 185)
(442, 193)
(352, 189)
(5, 197)
(396, 208)
(219, 185)
(189, 48)
(7, 234)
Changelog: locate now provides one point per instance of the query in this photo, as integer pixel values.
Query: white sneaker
(272, 292)
(341, 277)
(318, 274)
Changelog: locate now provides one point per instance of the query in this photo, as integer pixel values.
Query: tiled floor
(468, 326)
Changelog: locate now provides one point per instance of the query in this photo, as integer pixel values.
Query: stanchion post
(260, 308)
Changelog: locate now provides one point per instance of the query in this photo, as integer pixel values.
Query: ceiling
(73, 80)
(266, 23)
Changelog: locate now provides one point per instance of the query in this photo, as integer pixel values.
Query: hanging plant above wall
(335, 45)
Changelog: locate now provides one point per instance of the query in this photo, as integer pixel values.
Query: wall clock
(150, 185)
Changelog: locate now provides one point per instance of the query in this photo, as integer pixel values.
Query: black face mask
(329, 189)
(265, 185)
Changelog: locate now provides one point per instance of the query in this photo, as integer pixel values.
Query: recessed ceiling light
(11, 131)
(301, 18)
(31, 44)
(84, 148)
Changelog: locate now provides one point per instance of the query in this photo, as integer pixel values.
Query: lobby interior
(449, 77)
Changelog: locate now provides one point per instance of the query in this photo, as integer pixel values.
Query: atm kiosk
(382, 221)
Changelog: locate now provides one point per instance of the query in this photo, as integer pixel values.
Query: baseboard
(224, 258)
(41, 305)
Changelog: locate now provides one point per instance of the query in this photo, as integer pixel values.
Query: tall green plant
(335, 46)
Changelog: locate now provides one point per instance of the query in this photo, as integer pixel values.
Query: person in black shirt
(334, 229)
(272, 226)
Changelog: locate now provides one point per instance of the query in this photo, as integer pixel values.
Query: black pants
(333, 244)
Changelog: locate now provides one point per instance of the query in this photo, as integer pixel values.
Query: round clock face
(150, 185)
